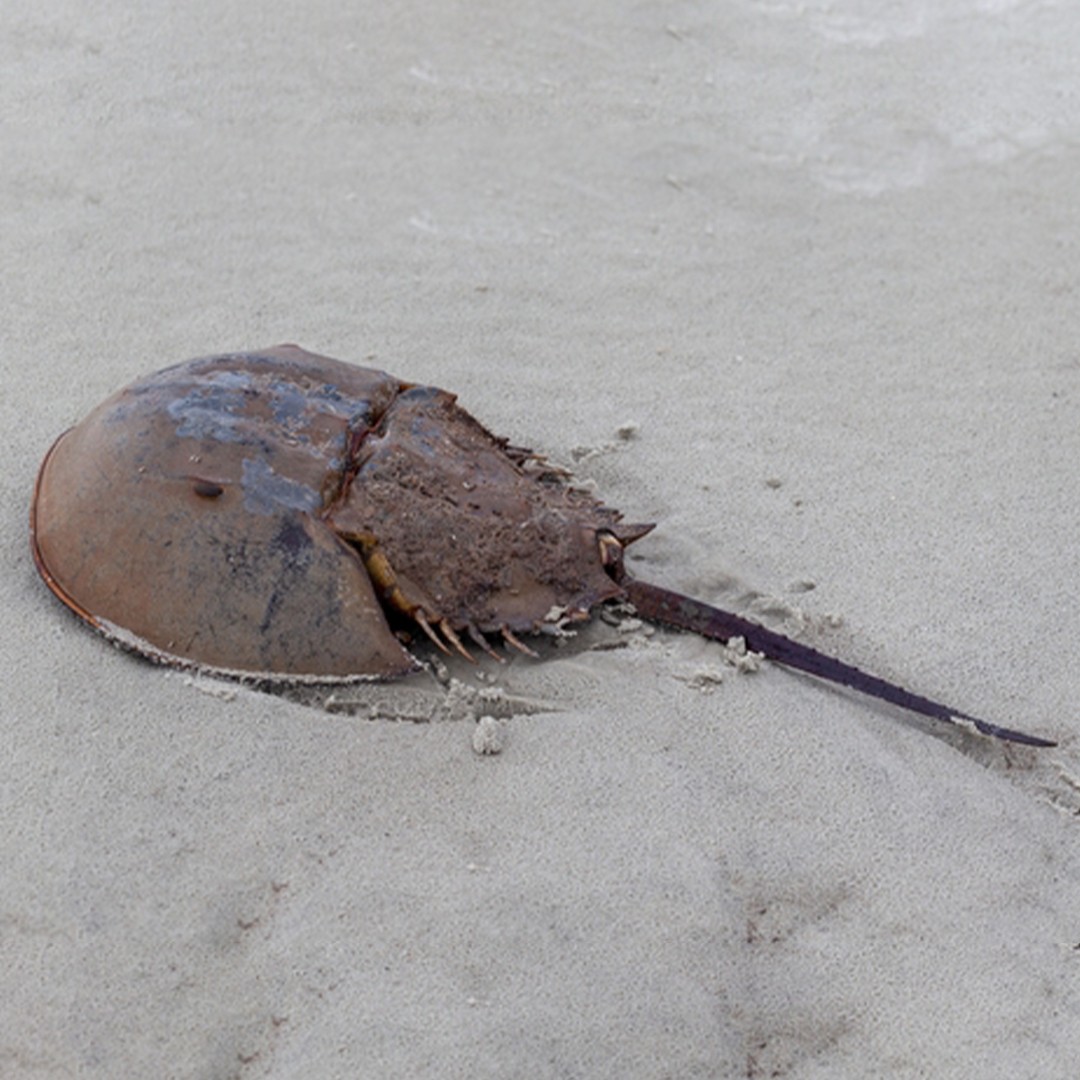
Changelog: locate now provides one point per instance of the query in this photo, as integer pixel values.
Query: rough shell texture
(259, 513)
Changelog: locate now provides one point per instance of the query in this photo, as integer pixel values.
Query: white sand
(824, 256)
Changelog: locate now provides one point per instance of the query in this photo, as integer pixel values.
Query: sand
(796, 281)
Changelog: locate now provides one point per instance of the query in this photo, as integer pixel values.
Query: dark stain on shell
(280, 515)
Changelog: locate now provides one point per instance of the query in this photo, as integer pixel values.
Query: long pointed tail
(685, 613)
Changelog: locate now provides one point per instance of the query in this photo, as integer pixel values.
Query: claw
(519, 645)
(451, 636)
(421, 618)
(483, 642)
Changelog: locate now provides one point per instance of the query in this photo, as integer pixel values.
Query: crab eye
(207, 489)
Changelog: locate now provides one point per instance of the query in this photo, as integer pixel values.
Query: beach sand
(820, 261)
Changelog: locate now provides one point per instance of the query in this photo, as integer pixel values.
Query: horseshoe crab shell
(270, 514)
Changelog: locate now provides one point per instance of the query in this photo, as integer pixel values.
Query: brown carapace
(282, 516)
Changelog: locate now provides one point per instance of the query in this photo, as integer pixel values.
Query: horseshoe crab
(282, 516)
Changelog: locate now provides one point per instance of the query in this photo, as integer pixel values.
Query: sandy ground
(824, 257)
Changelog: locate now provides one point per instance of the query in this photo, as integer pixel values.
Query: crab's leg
(418, 615)
(451, 636)
(517, 643)
(483, 642)
(685, 613)
(389, 589)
